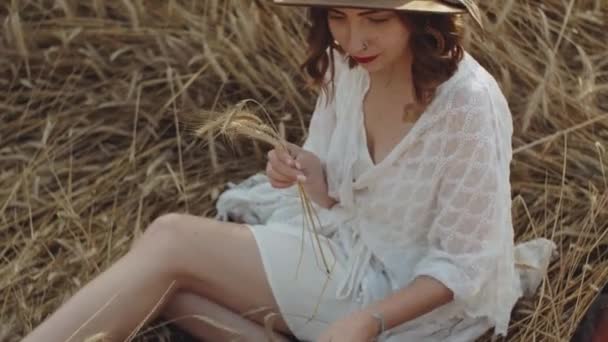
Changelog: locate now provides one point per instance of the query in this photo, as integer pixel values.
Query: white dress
(439, 204)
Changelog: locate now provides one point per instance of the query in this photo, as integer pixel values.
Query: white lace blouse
(439, 204)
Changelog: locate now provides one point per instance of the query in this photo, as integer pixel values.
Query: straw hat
(427, 6)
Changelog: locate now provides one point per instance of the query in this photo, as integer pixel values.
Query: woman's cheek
(337, 33)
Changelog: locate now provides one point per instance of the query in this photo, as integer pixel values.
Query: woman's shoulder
(473, 80)
(473, 96)
(342, 81)
(340, 59)
(339, 62)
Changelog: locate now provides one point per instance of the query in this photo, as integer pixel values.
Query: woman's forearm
(423, 295)
(325, 200)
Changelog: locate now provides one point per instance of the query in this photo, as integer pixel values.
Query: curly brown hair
(436, 43)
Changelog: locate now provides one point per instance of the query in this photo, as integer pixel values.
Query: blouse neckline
(424, 121)
(395, 150)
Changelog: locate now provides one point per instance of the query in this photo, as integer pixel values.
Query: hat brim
(399, 5)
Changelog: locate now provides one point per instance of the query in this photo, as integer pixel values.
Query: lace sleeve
(471, 230)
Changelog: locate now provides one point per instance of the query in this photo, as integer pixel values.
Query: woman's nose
(357, 45)
(357, 39)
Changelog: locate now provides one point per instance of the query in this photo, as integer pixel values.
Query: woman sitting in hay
(406, 166)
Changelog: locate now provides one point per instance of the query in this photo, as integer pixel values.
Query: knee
(164, 224)
(161, 234)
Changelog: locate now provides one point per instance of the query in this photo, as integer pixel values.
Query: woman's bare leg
(216, 260)
(211, 322)
(115, 301)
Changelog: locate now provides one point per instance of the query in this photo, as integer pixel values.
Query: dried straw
(91, 149)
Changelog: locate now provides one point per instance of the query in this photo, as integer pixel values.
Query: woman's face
(384, 31)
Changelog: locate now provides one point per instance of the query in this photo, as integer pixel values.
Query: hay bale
(91, 146)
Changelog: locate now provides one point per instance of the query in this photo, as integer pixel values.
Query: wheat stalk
(238, 121)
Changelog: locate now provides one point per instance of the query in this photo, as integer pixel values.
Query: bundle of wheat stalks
(93, 97)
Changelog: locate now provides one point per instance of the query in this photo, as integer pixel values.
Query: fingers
(277, 180)
(298, 153)
(293, 149)
(285, 155)
(283, 164)
(281, 169)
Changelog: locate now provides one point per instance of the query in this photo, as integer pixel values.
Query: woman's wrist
(325, 200)
(380, 322)
(328, 202)
(372, 325)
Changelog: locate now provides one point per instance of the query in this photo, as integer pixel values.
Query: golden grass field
(94, 140)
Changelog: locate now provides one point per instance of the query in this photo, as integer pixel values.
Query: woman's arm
(327, 201)
(423, 295)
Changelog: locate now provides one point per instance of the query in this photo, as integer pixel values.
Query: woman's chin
(372, 66)
(379, 66)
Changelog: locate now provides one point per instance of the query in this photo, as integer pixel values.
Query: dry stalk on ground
(92, 94)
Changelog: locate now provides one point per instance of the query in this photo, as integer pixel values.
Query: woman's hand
(286, 167)
(357, 327)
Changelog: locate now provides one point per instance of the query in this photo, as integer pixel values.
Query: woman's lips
(364, 60)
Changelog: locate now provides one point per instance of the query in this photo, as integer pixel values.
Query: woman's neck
(395, 79)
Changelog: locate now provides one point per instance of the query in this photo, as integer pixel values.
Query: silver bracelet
(380, 318)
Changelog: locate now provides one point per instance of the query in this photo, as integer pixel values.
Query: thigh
(219, 261)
